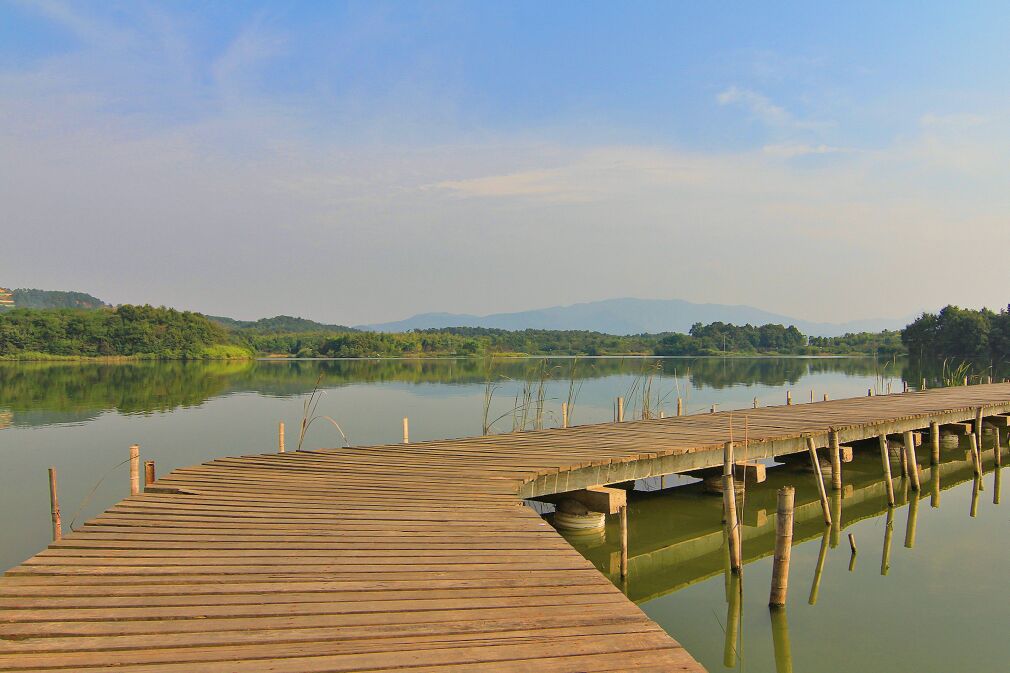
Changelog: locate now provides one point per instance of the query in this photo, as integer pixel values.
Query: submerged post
(819, 477)
(406, 430)
(913, 465)
(149, 475)
(54, 506)
(134, 469)
(886, 460)
(729, 505)
(783, 546)
(624, 542)
(836, 461)
(280, 437)
(934, 443)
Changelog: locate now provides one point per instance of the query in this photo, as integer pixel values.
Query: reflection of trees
(87, 387)
(721, 373)
(932, 370)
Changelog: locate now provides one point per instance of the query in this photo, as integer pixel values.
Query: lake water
(941, 606)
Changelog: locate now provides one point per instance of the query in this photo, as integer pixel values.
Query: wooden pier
(409, 557)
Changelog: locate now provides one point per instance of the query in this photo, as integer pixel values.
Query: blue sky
(356, 162)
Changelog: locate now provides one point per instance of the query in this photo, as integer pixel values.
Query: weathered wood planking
(413, 557)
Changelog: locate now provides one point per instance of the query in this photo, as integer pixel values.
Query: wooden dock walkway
(413, 558)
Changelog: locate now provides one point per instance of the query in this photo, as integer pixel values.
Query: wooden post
(886, 460)
(913, 465)
(995, 484)
(965, 380)
(564, 414)
(888, 387)
(825, 397)
(149, 475)
(835, 529)
(811, 395)
(934, 443)
(819, 477)
(904, 386)
(789, 397)
(134, 469)
(975, 488)
(869, 392)
(923, 384)
(934, 500)
(406, 430)
(755, 403)
(783, 546)
(280, 437)
(624, 542)
(54, 506)
(836, 461)
(979, 415)
(680, 407)
(620, 409)
(729, 505)
(713, 408)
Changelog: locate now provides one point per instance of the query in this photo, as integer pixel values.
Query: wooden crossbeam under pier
(376, 558)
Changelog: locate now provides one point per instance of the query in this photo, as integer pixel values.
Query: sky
(362, 162)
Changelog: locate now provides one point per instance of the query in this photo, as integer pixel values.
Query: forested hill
(32, 298)
(279, 324)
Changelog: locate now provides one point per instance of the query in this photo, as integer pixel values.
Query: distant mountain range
(632, 316)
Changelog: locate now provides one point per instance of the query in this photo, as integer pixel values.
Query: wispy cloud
(764, 110)
(791, 150)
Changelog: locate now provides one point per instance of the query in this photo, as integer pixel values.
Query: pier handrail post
(406, 430)
(280, 437)
(54, 506)
(134, 469)
(149, 475)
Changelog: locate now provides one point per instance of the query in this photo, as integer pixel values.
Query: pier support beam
(885, 458)
(819, 478)
(783, 547)
(913, 465)
(934, 443)
(836, 461)
(729, 505)
(624, 542)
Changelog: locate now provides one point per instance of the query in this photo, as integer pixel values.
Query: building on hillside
(6, 297)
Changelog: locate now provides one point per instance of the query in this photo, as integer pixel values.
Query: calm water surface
(941, 605)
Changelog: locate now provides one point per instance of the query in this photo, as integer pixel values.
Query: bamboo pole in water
(885, 560)
(913, 465)
(979, 415)
(783, 546)
(149, 475)
(280, 437)
(934, 443)
(780, 640)
(54, 506)
(729, 505)
(836, 461)
(815, 587)
(886, 460)
(134, 469)
(976, 458)
(819, 477)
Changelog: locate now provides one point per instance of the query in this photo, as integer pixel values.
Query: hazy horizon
(359, 163)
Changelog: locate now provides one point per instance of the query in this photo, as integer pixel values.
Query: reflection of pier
(418, 556)
(677, 538)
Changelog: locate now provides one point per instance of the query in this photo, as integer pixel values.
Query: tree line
(956, 332)
(158, 332)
